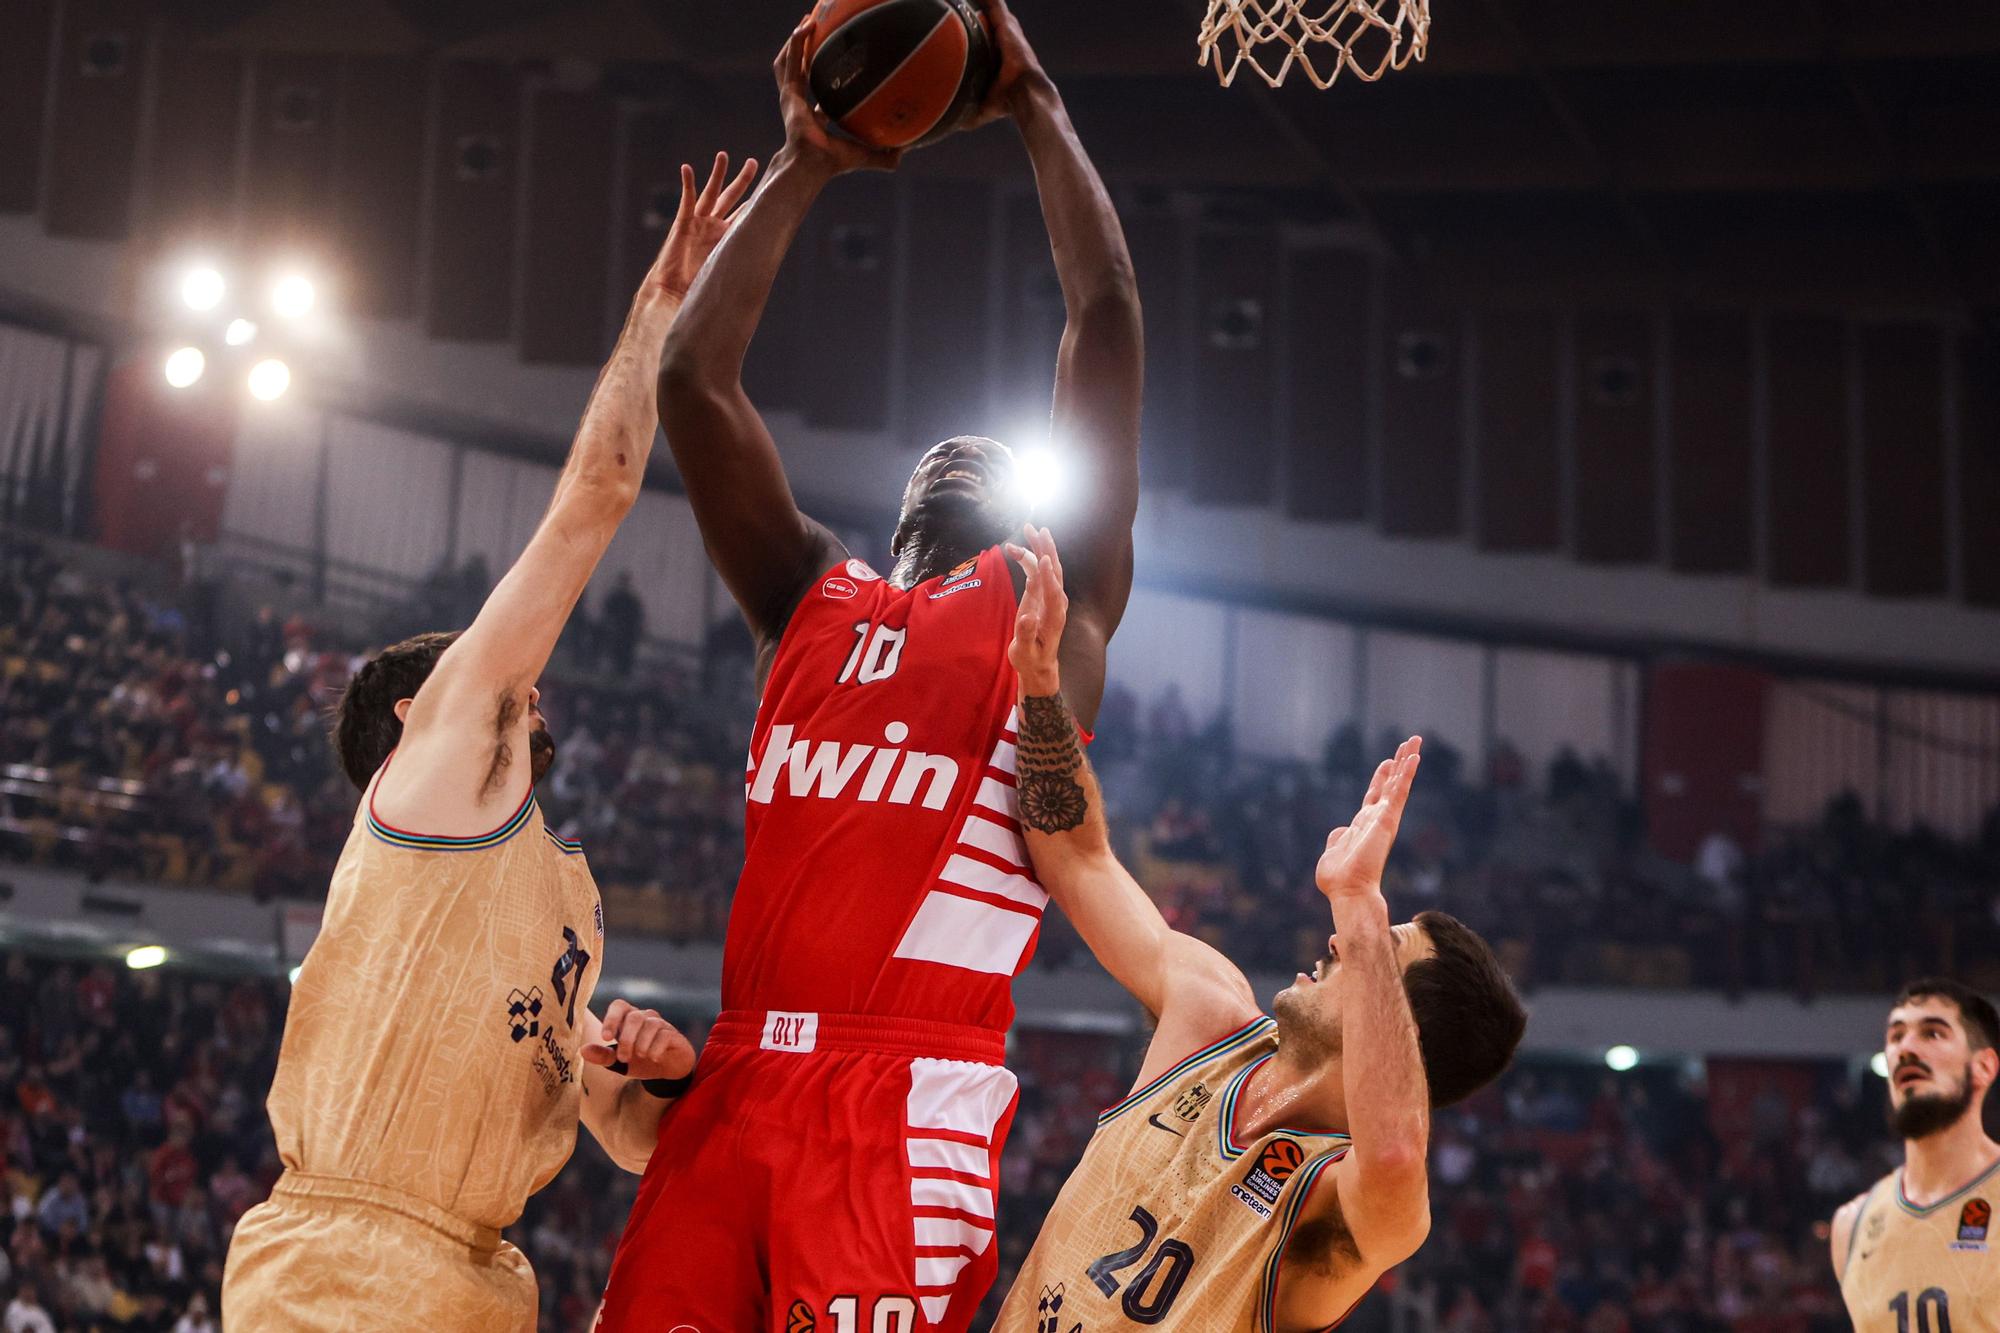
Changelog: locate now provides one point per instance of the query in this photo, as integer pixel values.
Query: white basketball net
(1322, 37)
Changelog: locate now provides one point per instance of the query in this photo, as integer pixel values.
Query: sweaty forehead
(1930, 1010)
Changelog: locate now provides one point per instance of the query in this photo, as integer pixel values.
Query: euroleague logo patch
(1278, 1163)
(1974, 1221)
(840, 590)
(799, 1319)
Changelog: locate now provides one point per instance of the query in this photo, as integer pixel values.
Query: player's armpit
(1336, 1253)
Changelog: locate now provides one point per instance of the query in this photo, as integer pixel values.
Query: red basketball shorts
(824, 1174)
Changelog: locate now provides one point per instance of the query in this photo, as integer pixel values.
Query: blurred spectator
(146, 749)
(622, 621)
(25, 1314)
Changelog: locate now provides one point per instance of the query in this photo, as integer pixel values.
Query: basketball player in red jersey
(834, 1166)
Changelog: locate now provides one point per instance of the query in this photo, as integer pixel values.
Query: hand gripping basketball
(1020, 68)
(646, 1044)
(807, 136)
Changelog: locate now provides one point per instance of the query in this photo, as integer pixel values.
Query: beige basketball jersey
(1924, 1270)
(1169, 1221)
(432, 1041)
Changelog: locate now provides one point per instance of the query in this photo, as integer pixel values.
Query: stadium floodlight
(293, 296)
(1619, 1059)
(240, 333)
(269, 380)
(202, 287)
(184, 366)
(1042, 474)
(145, 956)
(1880, 1064)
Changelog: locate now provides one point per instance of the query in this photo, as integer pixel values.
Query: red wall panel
(1520, 470)
(949, 320)
(564, 282)
(100, 63)
(1704, 751)
(162, 459)
(1979, 468)
(1616, 454)
(1809, 453)
(1328, 473)
(1710, 489)
(1031, 311)
(24, 87)
(1158, 241)
(1902, 459)
(650, 186)
(294, 110)
(378, 182)
(1423, 444)
(850, 284)
(475, 174)
(1235, 376)
(191, 165)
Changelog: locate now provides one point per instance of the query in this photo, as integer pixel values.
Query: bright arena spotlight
(293, 296)
(202, 287)
(1043, 475)
(145, 956)
(1620, 1059)
(269, 379)
(240, 333)
(185, 366)
(1878, 1064)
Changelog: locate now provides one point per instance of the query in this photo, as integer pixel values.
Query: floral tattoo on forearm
(1049, 764)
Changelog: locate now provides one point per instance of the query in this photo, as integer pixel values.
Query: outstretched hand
(807, 134)
(649, 1045)
(1355, 855)
(1044, 610)
(704, 218)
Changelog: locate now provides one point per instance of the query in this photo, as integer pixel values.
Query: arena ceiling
(1696, 283)
(1795, 150)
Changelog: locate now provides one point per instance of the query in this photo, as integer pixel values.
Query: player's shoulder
(1840, 1235)
(1193, 1036)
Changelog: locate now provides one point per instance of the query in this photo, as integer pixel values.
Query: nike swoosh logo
(1155, 1122)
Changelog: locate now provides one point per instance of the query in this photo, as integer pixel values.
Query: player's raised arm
(1194, 991)
(764, 548)
(463, 755)
(1384, 1191)
(1100, 371)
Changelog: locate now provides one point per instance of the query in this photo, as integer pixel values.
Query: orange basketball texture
(900, 73)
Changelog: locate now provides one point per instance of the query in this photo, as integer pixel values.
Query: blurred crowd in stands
(1566, 1200)
(151, 734)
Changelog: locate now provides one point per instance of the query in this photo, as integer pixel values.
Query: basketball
(900, 73)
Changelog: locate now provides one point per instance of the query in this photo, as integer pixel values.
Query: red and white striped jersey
(884, 869)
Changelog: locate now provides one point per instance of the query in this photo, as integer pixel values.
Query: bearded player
(1266, 1169)
(835, 1163)
(439, 1046)
(1913, 1254)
